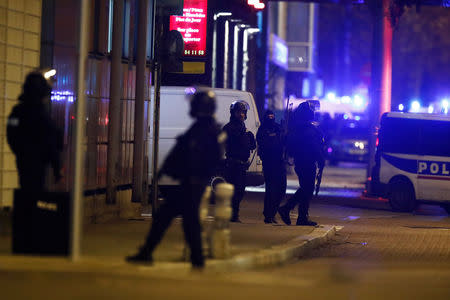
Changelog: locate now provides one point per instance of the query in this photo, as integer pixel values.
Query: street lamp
(237, 28)
(247, 33)
(214, 57)
(225, 55)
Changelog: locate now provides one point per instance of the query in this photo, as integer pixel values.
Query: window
(435, 138)
(126, 29)
(298, 22)
(110, 24)
(398, 135)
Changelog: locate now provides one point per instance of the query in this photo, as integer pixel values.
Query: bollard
(204, 204)
(203, 214)
(220, 244)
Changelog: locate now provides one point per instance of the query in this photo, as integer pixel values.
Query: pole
(214, 54)
(262, 67)
(77, 192)
(235, 55)
(245, 60)
(225, 54)
(114, 103)
(226, 50)
(380, 86)
(156, 113)
(157, 35)
(138, 153)
(247, 33)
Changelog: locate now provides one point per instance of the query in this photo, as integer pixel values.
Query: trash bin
(41, 223)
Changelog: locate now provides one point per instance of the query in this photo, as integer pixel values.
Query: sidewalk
(104, 246)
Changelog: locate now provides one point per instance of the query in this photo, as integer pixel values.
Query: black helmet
(239, 106)
(203, 104)
(36, 87)
(304, 113)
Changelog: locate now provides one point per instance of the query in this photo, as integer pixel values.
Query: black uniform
(192, 161)
(270, 150)
(305, 145)
(35, 140)
(239, 144)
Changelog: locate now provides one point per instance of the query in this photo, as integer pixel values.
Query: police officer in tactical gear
(270, 150)
(305, 145)
(192, 161)
(33, 137)
(239, 144)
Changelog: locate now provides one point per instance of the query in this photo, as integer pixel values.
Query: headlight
(359, 145)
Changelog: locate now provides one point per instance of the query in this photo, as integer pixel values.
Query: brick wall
(20, 27)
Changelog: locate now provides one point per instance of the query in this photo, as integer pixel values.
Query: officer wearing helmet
(33, 137)
(305, 146)
(192, 162)
(270, 140)
(239, 144)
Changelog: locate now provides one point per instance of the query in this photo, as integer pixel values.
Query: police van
(175, 120)
(412, 162)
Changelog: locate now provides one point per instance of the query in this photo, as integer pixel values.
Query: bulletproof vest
(305, 143)
(196, 153)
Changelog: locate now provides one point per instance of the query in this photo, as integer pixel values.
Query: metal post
(380, 86)
(157, 72)
(77, 192)
(235, 54)
(225, 54)
(262, 65)
(247, 33)
(237, 28)
(214, 54)
(245, 60)
(138, 153)
(156, 113)
(114, 103)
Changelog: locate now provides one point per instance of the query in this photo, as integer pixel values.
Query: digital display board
(192, 25)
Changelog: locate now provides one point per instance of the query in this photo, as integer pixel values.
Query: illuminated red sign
(192, 25)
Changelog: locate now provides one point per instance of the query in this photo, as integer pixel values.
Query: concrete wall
(20, 29)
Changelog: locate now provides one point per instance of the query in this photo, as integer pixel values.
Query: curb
(276, 255)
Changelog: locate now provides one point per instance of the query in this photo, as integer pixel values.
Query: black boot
(142, 257)
(270, 220)
(235, 219)
(305, 222)
(284, 214)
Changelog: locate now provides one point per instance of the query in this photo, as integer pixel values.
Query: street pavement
(104, 246)
(376, 254)
(362, 250)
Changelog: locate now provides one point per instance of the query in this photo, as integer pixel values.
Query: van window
(435, 138)
(399, 135)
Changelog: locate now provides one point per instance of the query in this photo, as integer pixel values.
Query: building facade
(20, 35)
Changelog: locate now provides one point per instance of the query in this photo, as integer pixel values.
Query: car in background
(347, 140)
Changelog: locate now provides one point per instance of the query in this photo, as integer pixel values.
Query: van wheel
(401, 195)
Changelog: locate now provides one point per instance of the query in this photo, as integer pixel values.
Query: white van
(175, 119)
(412, 162)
